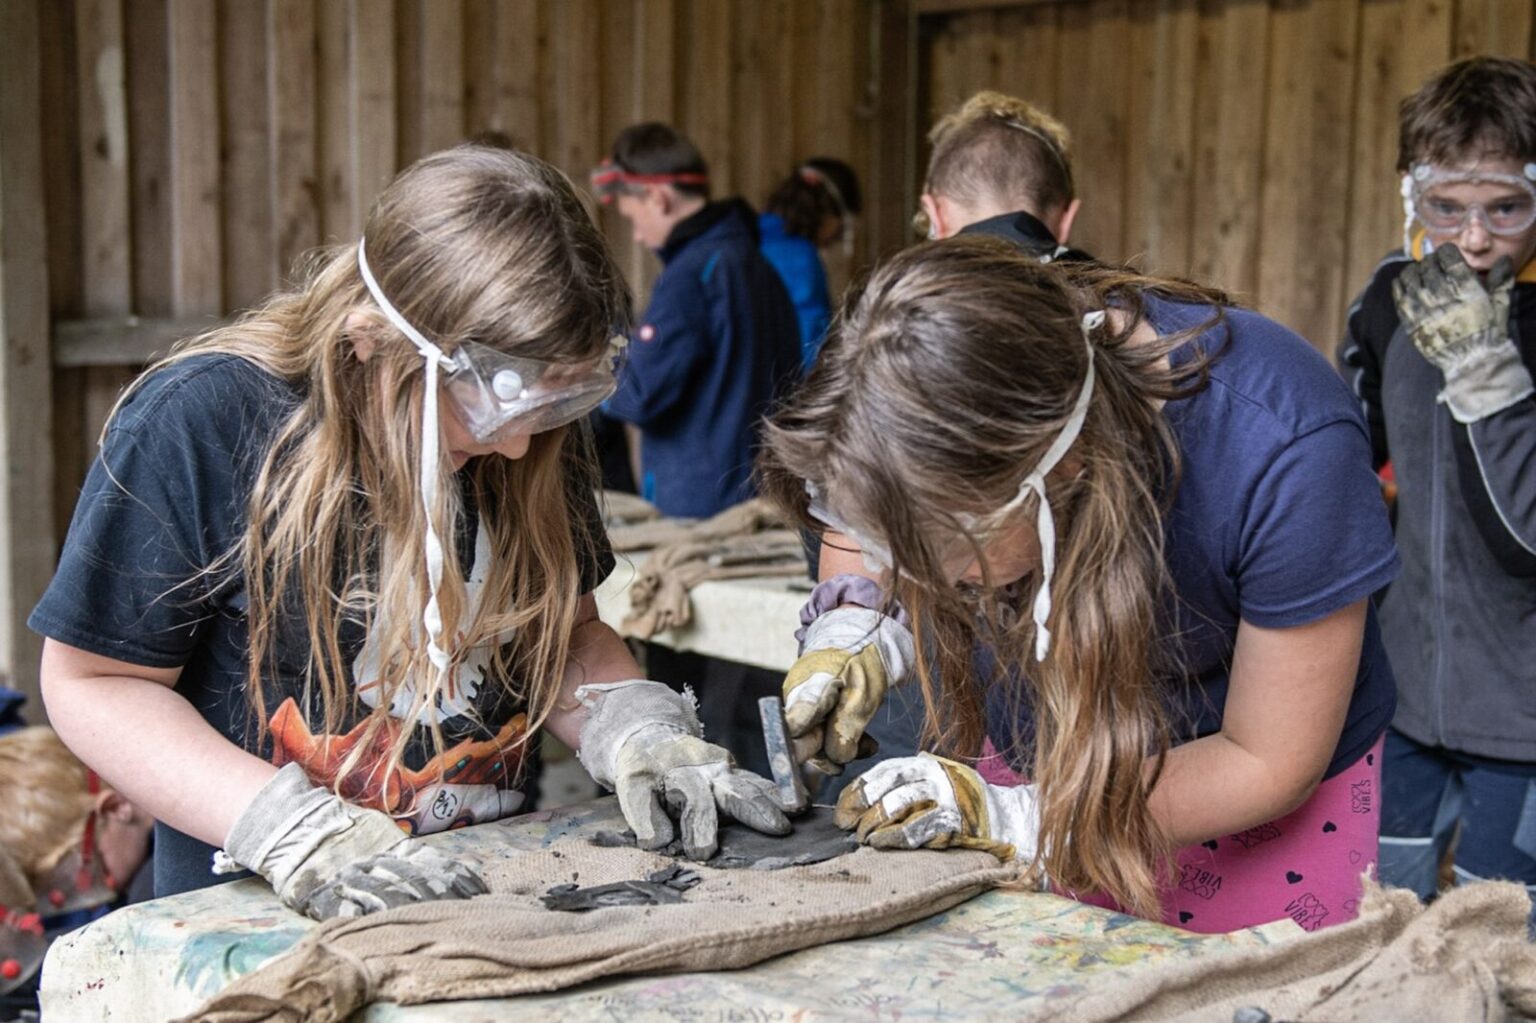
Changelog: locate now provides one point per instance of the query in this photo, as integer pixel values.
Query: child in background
(1156, 514)
(333, 567)
(1441, 348)
(71, 850)
(1002, 166)
(810, 210)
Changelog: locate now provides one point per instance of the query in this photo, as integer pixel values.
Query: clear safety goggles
(958, 550)
(496, 395)
(1446, 201)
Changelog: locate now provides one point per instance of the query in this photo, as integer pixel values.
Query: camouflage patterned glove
(325, 857)
(1462, 326)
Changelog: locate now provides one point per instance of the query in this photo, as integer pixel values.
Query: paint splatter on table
(1005, 953)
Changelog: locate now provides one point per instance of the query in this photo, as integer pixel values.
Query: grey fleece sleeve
(1496, 463)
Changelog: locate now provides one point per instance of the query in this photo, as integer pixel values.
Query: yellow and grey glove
(1462, 326)
(850, 657)
(643, 740)
(928, 802)
(325, 857)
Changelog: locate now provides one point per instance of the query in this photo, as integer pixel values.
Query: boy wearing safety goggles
(333, 568)
(1440, 347)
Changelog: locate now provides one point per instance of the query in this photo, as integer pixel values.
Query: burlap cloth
(507, 943)
(1465, 958)
(748, 540)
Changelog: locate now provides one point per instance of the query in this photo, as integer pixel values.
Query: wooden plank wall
(1249, 143)
(167, 162)
(197, 148)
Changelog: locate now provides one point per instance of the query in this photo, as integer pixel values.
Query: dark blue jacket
(799, 267)
(717, 348)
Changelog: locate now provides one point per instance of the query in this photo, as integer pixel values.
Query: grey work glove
(325, 857)
(642, 740)
(1462, 326)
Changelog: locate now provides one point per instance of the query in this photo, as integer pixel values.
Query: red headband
(608, 178)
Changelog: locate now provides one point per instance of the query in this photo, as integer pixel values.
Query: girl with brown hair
(1134, 531)
(334, 565)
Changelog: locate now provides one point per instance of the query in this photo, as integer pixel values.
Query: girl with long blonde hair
(1126, 532)
(334, 565)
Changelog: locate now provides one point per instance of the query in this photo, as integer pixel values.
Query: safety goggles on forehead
(1433, 197)
(951, 551)
(610, 179)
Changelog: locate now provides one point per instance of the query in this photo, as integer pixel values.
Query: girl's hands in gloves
(644, 741)
(851, 656)
(325, 857)
(930, 802)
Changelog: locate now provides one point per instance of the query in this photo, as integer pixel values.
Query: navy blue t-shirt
(1278, 520)
(162, 503)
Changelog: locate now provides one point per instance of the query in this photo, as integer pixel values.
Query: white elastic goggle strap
(1409, 215)
(432, 616)
(1035, 483)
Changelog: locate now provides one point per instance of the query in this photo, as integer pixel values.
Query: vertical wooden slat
(150, 157)
(196, 247)
(892, 183)
(1031, 53)
(1500, 28)
(1401, 44)
(1093, 96)
(757, 160)
(106, 271)
(657, 44)
(60, 110)
(245, 128)
(295, 190)
(1305, 195)
(622, 61)
(408, 81)
(336, 70)
(1160, 134)
(26, 511)
(1233, 47)
(576, 35)
(373, 101)
(521, 29)
(480, 64)
(442, 74)
(706, 101)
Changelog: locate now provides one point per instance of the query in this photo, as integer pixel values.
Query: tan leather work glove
(928, 802)
(851, 656)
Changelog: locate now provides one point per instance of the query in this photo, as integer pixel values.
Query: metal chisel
(793, 796)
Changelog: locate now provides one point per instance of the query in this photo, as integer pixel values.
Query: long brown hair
(944, 380)
(472, 243)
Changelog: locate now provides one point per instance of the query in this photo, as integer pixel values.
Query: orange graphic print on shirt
(470, 783)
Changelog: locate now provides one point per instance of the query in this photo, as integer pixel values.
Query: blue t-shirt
(1278, 520)
(164, 500)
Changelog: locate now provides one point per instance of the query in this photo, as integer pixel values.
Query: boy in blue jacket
(718, 345)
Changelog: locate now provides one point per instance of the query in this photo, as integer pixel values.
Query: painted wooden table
(1000, 955)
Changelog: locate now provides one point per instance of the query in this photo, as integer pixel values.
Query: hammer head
(793, 796)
